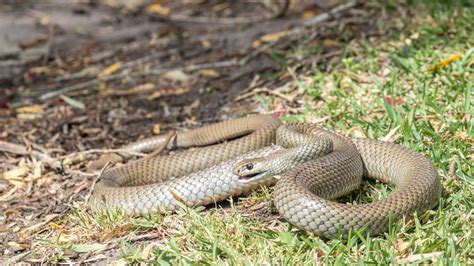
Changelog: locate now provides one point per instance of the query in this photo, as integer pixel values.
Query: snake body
(302, 194)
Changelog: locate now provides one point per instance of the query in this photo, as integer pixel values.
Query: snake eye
(249, 166)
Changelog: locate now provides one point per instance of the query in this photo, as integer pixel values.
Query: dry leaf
(391, 136)
(206, 43)
(101, 87)
(177, 91)
(135, 90)
(307, 14)
(176, 76)
(384, 72)
(256, 44)
(87, 248)
(17, 246)
(269, 38)
(443, 63)
(67, 161)
(17, 183)
(9, 195)
(119, 231)
(27, 232)
(27, 116)
(158, 9)
(34, 109)
(112, 3)
(156, 129)
(73, 102)
(11, 213)
(189, 109)
(44, 21)
(274, 36)
(37, 170)
(110, 70)
(154, 95)
(16, 173)
(119, 262)
(169, 92)
(15, 229)
(4, 228)
(346, 82)
(38, 40)
(141, 88)
(363, 78)
(42, 70)
(356, 132)
(147, 250)
(54, 225)
(402, 246)
(209, 73)
(331, 43)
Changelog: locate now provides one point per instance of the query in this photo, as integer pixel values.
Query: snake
(309, 166)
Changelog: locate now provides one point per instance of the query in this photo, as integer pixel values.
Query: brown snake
(316, 165)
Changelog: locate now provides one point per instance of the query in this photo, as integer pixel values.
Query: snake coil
(303, 194)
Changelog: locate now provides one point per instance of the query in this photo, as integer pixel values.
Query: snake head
(250, 170)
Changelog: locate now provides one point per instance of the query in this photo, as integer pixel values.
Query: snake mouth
(252, 177)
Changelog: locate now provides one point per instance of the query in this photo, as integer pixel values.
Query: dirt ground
(81, 75)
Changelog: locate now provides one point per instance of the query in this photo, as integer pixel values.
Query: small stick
(124, 151)
(218, 64)
(169, 137)
(229, 21)
(327, 15)
(267, 90)
(22, 150)
(107, 165)
(159, 71)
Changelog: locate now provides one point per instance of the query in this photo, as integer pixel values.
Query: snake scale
(315, 166)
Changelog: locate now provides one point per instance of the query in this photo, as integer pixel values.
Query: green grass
(433, 115)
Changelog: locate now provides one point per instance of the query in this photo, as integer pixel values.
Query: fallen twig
(97, 81)
(106, 166)
(35, 228)
(34, 145)
(265, 90)
(80, 173)
(76, 87)
(327, 15)
(56, 163)
(151, 57)
(323, 17)
(120, 151)
(22, 150)
(299, 30)
(218, 64)
(228, 21)
(312, 22)
(169, 137)
(9, 195)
